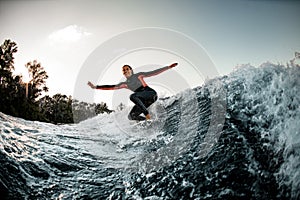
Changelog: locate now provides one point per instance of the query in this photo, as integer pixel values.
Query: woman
(143, 95)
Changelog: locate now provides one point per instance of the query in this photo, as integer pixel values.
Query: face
(126, 71)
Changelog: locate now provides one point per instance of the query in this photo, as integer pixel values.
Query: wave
(234, 137)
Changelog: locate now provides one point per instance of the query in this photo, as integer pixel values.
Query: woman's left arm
(158, 71)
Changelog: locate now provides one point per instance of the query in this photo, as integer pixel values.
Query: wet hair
(128, 67)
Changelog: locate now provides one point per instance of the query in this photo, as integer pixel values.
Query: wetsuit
(143, 95)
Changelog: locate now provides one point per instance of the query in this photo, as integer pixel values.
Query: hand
(173, 65)
(91, 85)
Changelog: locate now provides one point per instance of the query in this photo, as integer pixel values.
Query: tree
(57, 109)
(62, 108)
(121, 107)
(7, 81)
(46, 108)
(15, 102)
(38, 80)
(102, 108)
(8, 48)
(18, 101)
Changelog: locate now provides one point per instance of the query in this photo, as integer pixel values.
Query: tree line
(26, 100)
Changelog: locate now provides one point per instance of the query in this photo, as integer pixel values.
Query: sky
(64, 35)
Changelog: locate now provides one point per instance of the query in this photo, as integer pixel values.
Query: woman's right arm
(91, 85)
(108, 87)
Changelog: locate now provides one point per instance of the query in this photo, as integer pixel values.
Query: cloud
(71, 33)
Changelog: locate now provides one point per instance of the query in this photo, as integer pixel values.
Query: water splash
(256, 154)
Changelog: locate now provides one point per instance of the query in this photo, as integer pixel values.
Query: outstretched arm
(107, 87)
(173, 65)
(91, 85)
(158, 71)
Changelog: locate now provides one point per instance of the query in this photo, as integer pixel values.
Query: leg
(135, 114)
(137, 99)
(150, 101)
(142, 101)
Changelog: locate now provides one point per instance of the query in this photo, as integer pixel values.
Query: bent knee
(132, 96)
(155, 97)
(130, 116)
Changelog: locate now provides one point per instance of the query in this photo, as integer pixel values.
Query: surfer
(143, 95)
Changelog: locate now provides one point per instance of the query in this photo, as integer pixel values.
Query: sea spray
(256, 155)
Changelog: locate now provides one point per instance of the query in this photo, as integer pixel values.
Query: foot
(148, 117)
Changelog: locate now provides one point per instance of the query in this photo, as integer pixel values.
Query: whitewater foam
(256, 153)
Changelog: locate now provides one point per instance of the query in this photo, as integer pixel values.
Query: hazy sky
(62, 34)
